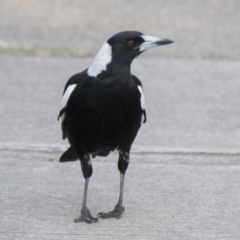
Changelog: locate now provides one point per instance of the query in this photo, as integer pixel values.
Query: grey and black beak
(151, 41)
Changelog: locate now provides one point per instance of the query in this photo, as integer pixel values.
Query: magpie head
(121, 49)
(129, 44)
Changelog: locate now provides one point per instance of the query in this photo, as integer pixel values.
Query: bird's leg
(118, 209)
(86, 215)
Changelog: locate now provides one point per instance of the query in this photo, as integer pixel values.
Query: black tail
(69, 155)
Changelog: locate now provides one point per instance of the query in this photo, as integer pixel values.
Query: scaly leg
(118, 209)
(85, 212)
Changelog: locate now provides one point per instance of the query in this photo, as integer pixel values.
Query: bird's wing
(142, 100)
(69, 88)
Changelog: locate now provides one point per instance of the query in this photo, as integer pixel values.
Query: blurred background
(207, 29)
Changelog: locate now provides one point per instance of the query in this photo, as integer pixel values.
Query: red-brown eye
(131, 43)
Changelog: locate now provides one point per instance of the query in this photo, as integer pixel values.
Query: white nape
(102, 59)
(142, 99)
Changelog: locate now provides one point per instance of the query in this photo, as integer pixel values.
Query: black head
(120, 50)
(129, 44)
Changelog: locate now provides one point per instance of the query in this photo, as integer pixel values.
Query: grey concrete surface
(183, 180)
(166, 197)
(200, 29)
(192, 106)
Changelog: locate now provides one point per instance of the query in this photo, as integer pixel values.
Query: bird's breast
(103, 116)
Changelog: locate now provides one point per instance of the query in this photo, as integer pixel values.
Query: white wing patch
(142, 99)
(65, 98)
(102, 59)
(66, 95)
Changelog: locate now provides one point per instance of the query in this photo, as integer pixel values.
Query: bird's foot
(86, 216)
(116, 213)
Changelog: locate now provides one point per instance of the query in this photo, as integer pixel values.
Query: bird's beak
(150, 41)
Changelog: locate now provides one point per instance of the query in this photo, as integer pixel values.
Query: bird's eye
(131, 43)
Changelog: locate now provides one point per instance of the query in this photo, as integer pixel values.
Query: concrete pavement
(192, 106)
(166, 197)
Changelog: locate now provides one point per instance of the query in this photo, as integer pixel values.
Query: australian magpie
(102, 109)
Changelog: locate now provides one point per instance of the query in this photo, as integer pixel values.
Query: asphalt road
(184, 177)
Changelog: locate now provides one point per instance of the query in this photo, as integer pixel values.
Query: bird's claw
(116, 213)
(86, 220)
(86, 216)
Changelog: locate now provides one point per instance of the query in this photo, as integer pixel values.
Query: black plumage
(103, 107)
